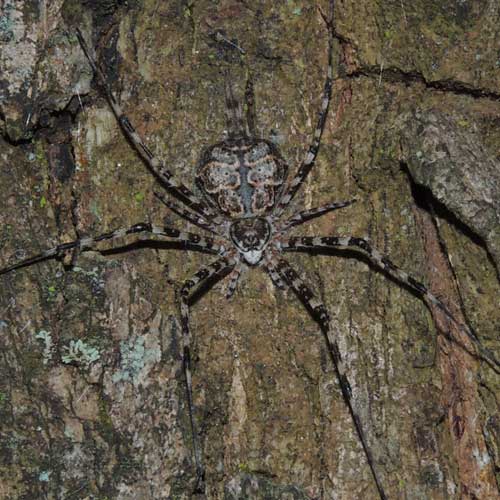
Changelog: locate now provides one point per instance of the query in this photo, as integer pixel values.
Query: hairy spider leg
(178, 189)
(308, 162)
(307, 243)
(191, 240)
(306, 215)
(274, 275)
(194, 218)
(202, 276)
(319, 313)
(250, 107)
(237, 126)
(234, 115)
(234, 277)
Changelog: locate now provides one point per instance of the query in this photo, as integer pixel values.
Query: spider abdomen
(242, 176)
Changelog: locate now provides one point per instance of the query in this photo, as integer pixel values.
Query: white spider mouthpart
(253, 256)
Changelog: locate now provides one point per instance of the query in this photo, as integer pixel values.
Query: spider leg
(318, 311)
(194, 218)
(201, 277)
(381, 261)
(191, 240)
(234, 277)
(250, 107)
(305, 215)
(178, 189)
(308, 162)
(234, 115)
(274, 275)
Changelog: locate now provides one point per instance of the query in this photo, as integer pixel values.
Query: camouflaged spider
(245, 186)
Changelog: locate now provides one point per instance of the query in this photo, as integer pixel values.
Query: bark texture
(92, 401)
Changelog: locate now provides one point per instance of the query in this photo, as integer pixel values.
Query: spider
(246, 192)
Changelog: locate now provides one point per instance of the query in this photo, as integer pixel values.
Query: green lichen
(134, 357)
(93, 273)
(46, 337)
(94, 208)
(51, 293)
(80, 353)
(244, 467)
(105, 422)
(6, 25)
(139, 197)
(40, 156)
(44, 476)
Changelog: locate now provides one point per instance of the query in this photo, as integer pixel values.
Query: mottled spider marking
(251, 237)
(204, 273)
(234, 277)
(242, 176)
(274, 275)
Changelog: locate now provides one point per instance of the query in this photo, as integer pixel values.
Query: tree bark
(92, 396)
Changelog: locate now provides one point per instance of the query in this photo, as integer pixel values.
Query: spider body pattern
(243, 176)
(247, 191)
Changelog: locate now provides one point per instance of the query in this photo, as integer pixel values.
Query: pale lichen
(48, 345)
(80, 353)
(134, 358)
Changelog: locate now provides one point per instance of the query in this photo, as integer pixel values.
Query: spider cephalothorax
(251, 237)
(246, 198)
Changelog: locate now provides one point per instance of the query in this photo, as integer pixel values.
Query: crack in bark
(48, 121)
(397, 75)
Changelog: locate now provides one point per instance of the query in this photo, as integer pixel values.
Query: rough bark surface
(92, 400)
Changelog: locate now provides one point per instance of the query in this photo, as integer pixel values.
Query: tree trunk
(92, 395)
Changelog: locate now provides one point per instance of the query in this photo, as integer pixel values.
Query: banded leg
(308, 162)
(178, 189)
(186, 293)
(320, 315)
(194, 218)
(306, 215)
(274, 275)
(250, 107)
(234, 115)
(382, 262)
(234, 277)
(191, 240)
